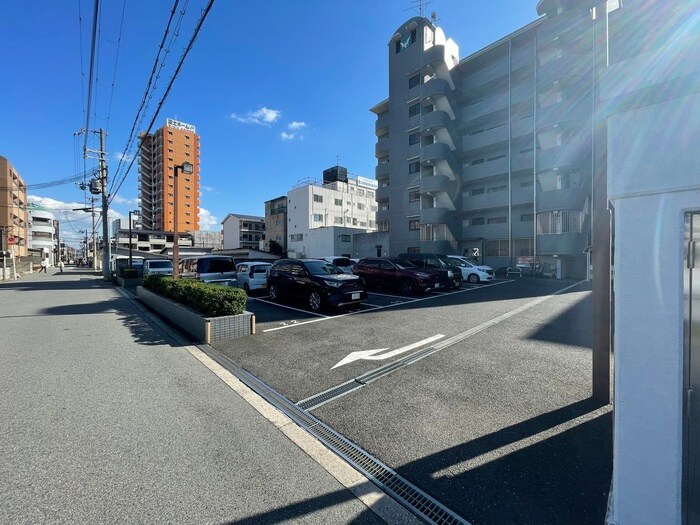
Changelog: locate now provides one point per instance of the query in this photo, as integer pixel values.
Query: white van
(159, 266)
(117, 262)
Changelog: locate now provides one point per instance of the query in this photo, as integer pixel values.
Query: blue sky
(277, 90)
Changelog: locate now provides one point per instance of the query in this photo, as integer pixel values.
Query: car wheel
(315, 301)
(274, 293)
(473, 278)
(407, 287)
(246, 288)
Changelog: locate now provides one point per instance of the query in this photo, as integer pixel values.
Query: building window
(413, 81)
(414, 167)
(496, 248)
(360, 206)
(523, 247)
(414, 196)
(476, 221)
(476, 191)
(384, 206)
(345, 238)
(338, 220)
(296, 237)
(497, 220)
(527, 184)
(384, 183)
(413, 138)
(558, 222)
(318, 217)
(318, 198)
(383, 226)
(496, 189)
(370, 194)
(338, 202)
(414, 224)
(413, 249)
(527, 217)
(414, 109)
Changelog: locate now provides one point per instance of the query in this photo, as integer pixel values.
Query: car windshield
(322, 268)
(342, 261)
(160, 264)
(402, 263)
(219, 265)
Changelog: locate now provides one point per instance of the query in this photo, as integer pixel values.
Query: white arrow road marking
(373, 355)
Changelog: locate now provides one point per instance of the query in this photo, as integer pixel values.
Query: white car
(341, 262)
(473, 273)
(252, 275)
(159, 266)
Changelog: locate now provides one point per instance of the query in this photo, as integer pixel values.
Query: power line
(116, 62)
(167, 91)
(147, 90)
(95, 14)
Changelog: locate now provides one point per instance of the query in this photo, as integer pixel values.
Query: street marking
(292, 308)
(374, 355)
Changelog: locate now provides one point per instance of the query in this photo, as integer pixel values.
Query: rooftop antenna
(434, 17)
(419, 5)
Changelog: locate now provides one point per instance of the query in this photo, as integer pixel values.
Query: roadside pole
(105, 209)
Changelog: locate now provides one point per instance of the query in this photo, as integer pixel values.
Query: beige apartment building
(14, 223)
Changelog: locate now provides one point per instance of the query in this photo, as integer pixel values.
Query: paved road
(106, 418)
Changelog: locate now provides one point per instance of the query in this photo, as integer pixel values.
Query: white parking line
(292, 308)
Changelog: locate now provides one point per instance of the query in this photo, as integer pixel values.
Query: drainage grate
(330, 394)
(410, 496)
(375, 374)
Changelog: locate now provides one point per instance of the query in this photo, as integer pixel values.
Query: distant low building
(150, 241)
(243, 231)
(207, 239)
(276, 223)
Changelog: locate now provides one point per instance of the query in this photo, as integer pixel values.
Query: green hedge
(211, 300)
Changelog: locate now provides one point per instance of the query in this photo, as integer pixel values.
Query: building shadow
(562, 476)
(571, 327)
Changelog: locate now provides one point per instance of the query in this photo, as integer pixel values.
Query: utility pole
(105, 209)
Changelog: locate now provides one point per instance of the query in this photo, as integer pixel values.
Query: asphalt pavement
(109, 416)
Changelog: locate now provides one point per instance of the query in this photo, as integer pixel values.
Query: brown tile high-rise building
(14, 221)
(170, 146)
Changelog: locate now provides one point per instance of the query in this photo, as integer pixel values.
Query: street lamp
(135, 212)
(187, 169)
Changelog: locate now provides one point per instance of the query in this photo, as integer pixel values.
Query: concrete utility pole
(105, 209)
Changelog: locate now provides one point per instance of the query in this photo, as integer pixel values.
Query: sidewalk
(113, 418)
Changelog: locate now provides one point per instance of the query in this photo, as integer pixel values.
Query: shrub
(211, 300)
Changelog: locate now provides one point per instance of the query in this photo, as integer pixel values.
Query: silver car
(159, 266)
(217, 269)
(252, 275)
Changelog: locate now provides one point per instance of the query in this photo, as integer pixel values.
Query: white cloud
(264, 116)
(207, 188)
(129, 202)
(287, 136)
(294, 125)
(207, 221)
(125, 157)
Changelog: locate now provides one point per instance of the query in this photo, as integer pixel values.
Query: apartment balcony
(564, 199)
(522, 196)
(490, 137)
(486, 170)
(522, 126)
(488, 74)
(571, 69)
(437, 87)
(381, 126)
(565, 112)
(436, 184)
(381, 149)
(436, 215)
(435, 55)
(486, 201)
(561, 244)
(564, 156)
(485, 107)
(382, 193)
(575, 19)
(523, 161)
(382, 170)
(436, 120)
(434, 153)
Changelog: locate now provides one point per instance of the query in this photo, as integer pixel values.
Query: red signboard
(12, 240)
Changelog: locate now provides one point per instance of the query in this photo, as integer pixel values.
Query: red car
(395, 273)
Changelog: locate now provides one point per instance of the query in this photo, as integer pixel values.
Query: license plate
(355, 296)
(437, 286)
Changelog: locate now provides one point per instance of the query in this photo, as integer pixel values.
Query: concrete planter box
(207, 329)
(128, 282)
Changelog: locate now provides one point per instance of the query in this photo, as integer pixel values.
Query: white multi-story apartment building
(321, 217)
(243, 231)
(43, 232)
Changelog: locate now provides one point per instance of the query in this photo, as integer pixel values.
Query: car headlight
(334, 284)
(450, 274)
(422, 275)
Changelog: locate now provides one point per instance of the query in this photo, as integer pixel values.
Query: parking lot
(478, 396)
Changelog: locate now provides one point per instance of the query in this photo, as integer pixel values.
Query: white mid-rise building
(43, 233)
(321, 215)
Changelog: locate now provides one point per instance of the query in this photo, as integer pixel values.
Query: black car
(316, 282)
(399, 274)
(449, 273)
